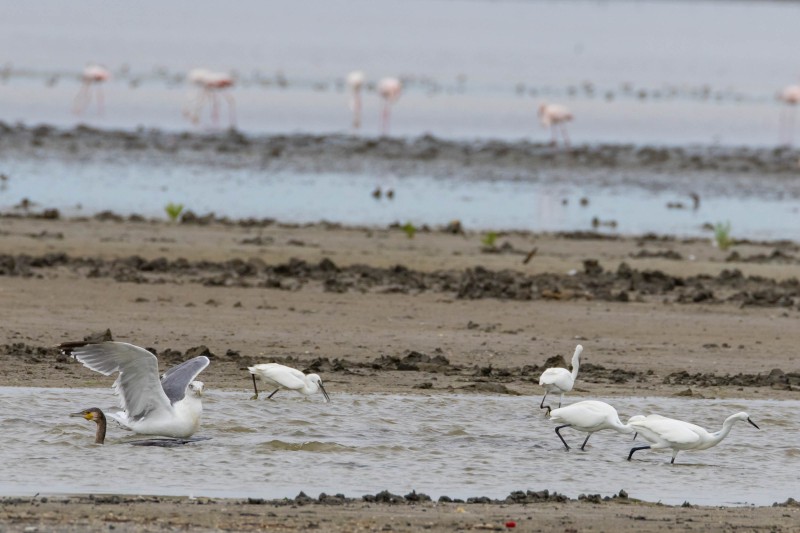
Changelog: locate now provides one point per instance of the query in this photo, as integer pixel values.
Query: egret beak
(328, 398)
(753, 423)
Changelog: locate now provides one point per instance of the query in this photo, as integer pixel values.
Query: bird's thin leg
(636, 450)
(273, 393)
(541, 405)
(255, 388)
(636, 434)
(81, 99)
(100, 100)
(562, 438)
(564, 134)
(231, 110)
(214, 109)
(553, 142)
(583, 446)
(674, 455)
(385, 119)
(356, 111)
(560, 399)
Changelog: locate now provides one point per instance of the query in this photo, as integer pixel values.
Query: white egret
(560, 380)
(170, 407)
(665, 432)
(286, 377)
(588, 416)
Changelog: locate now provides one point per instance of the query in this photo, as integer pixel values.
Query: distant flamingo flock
(212, 87)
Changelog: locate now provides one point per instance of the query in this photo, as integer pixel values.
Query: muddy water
(455, 445)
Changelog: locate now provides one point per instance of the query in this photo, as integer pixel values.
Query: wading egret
(286, 377)
(588, 416)
(560, 380)
(665, 432)
(92, 76)
(355, 81)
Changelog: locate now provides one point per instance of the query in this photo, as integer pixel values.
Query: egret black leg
(562, 438)
(541, 405)
(636, 450)
(635, 435)
(255, 388)
(273, 393)
(584, 442)
(674, 455)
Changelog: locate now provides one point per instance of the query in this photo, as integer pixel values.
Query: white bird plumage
(355, 81)
(589, 416)
(282, 376)
(560, 380)
(555, 116)
(663, 432)
(170, 406)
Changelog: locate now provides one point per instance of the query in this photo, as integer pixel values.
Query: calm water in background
(709, 70)
(362, 444)
(633, 72)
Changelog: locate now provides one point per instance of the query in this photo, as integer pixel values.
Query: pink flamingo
(389, 89)
(790, 96)
(211, 85)
(355, 81)
(92, 76)
(553, 116)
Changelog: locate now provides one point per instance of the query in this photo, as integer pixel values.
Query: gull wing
(137, 385)
(177, 378)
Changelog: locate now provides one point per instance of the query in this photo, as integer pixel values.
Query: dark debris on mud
(480, 379)
(624, 284)
(479, 159)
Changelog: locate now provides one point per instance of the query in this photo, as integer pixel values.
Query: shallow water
(362, 444)
(547, 204)
(642, 72)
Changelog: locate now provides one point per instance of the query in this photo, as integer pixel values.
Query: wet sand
(392, 513)
(373, 310)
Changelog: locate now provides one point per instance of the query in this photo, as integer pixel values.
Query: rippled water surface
(455, 445)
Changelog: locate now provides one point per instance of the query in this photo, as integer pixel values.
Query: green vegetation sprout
(489, 239)
(410, 229)
(722, 235)
(173, 211)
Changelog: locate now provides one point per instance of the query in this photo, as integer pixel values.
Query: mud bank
(724, 170)
(522, 510)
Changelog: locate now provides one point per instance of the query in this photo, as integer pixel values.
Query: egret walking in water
(355, 82)
(555, 116)
(92, 76)
(589, 416)
(389, 89)
(286, 377)
(678, 435)
(170, 407)
(560, 380)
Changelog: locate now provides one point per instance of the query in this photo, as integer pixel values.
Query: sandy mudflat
(373, 310)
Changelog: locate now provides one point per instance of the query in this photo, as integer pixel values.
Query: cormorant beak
(324, 393)
(83, 414)
(753, 423)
